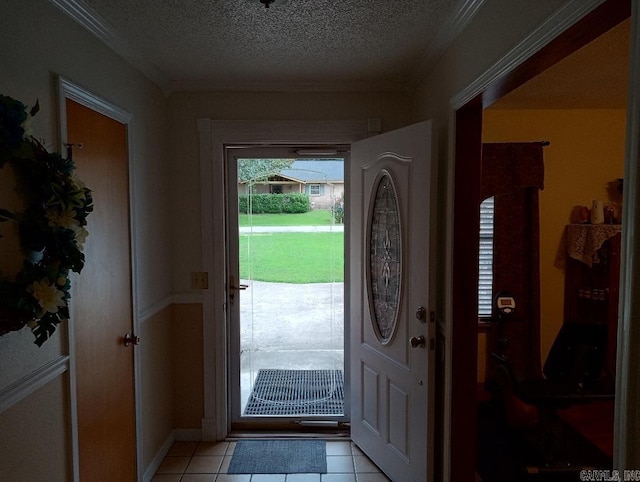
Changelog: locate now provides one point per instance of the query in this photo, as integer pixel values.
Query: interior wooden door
(392, 332)
(102, 302)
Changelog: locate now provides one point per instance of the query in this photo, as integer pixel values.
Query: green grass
(292, 257)
(317, 217)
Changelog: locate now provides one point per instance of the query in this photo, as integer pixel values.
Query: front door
(391, 298)
(102, 302)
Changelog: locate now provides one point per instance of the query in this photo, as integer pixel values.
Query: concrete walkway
(290, 326)
(292, 229)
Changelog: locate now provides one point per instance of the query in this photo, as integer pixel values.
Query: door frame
(568, 29)
(232, 154)
(70, 90)
(213, 136)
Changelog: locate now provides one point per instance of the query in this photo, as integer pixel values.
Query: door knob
(418, 341)
(131, 339)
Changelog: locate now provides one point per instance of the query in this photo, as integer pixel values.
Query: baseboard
(157, 460)
(187, 434)
(177, 435)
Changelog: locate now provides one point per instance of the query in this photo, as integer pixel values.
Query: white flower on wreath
(27, 126)
(48, 296)
(65, 218)
(80, 233)
(77, 183)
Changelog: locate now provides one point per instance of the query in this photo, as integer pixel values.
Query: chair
(574, 373)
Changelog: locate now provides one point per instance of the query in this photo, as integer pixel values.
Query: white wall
(187, 107)
(38, 42)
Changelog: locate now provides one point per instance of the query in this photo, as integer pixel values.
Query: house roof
(315, 170)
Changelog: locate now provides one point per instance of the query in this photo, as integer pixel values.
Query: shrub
(274, 203)
(295, 203)
(337, 210)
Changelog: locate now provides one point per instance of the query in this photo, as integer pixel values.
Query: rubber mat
(296, 392)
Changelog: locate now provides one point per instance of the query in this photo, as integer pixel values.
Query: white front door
(391, 297)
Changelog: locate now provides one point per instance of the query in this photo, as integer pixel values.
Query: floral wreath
(51, 228)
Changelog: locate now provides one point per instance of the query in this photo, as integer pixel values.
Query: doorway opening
(471, 125)
(286, 287)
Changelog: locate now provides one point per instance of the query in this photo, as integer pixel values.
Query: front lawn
(316, 217)
(292, 257)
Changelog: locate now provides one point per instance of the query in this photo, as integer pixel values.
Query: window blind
(485, 272)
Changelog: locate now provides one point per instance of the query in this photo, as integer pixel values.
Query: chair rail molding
(28, 384)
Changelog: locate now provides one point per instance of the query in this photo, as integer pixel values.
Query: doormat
(279, 457)
(297, 392)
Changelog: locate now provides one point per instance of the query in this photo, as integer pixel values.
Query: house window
(276, 188)
(314, 189)
(485, 272)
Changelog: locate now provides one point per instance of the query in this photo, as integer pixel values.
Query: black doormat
(279, 457)
(296, 392)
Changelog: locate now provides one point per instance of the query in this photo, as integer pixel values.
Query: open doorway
(471, 129)
(216, 140)
(586, 135)
(286, 287)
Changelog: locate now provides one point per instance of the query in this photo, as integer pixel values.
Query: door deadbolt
(131, 339)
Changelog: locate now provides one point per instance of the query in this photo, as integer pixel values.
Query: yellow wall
(585, 154)
(35, 436)
(156, 352)
(188, 366)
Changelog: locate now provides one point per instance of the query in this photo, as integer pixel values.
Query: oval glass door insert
(385, 258)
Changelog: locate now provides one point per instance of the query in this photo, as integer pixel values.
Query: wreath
(51, 227)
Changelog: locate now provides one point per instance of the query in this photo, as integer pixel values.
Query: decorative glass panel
(385, 259)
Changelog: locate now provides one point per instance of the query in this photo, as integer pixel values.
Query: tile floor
(209, 461)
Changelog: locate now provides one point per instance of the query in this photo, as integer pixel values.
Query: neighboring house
(321, 179)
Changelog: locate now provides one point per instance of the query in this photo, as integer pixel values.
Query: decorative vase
(597, 212)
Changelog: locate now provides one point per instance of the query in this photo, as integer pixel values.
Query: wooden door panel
(102, 302)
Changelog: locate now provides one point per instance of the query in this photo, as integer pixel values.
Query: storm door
(285, 288)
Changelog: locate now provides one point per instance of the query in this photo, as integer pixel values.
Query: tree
(256, 170)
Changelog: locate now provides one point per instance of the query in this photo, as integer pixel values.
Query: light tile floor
(209, 461)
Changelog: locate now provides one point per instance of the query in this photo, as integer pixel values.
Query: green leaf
(34, 110)
(6, 216)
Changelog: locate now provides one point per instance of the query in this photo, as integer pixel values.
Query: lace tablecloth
(584, 240)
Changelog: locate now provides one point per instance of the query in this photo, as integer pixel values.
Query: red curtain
(514, 174)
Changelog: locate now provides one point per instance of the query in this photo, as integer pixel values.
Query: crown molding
(451, 29)
(105, 32)
(100, 28)
(558, 22)
(345, 86)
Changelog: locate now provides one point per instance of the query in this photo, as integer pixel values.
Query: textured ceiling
(328, 45)
(240, 44)
(594, 77)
